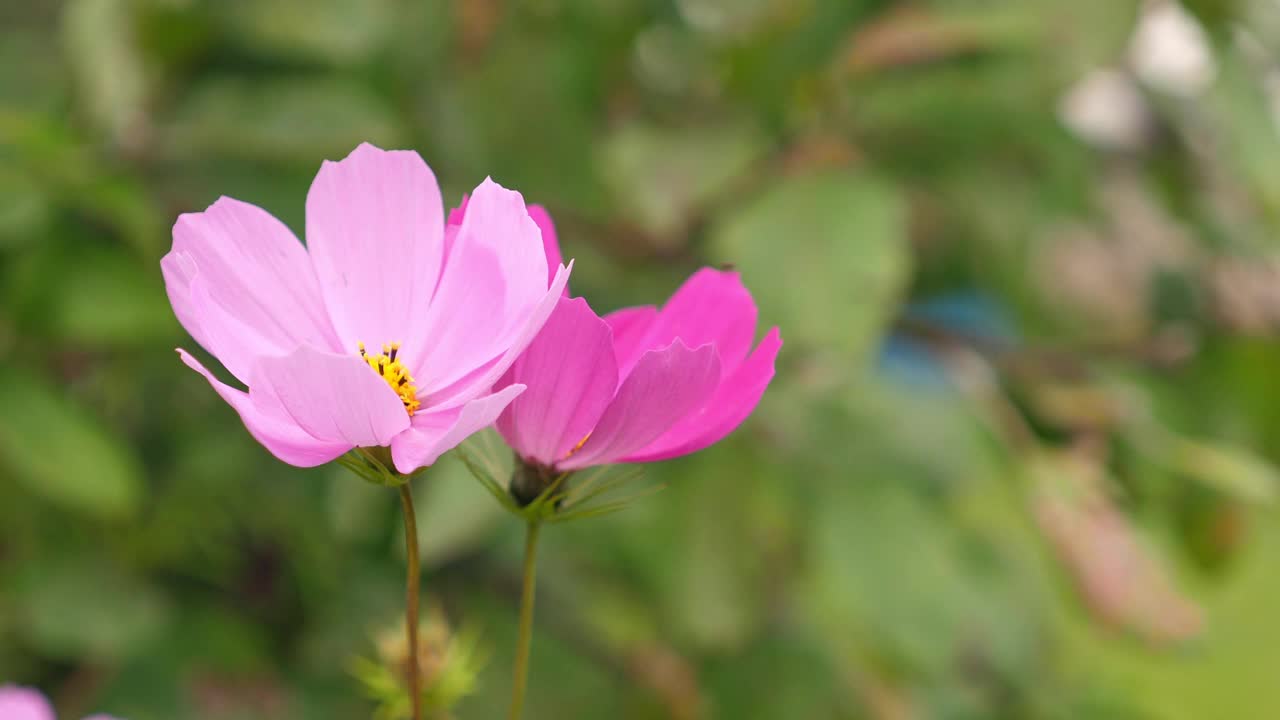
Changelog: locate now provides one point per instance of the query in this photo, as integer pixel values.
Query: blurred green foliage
(1017, 461)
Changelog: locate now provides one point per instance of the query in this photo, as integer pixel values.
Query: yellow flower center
(395, 373)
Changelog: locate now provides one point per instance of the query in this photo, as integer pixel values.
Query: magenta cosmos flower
(18, 703)
(387, 329)
(640, 384)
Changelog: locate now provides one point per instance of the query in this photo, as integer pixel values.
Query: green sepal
(374, 465)
(567, 496)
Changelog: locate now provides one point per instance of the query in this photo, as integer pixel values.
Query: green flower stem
(525, 637)
(411, 599)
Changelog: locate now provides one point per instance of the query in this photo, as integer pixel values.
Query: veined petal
(434, 433)
(337, 399)
(664, 386)
(497, 218)
(630, 331)
(493, 280)
(255, 272)
(375, 231)
(468, 325)
(273, 428)
(481, 379)
(712, 306)
(550, 243)
(732, 402)
(540, 217)
(571, 374)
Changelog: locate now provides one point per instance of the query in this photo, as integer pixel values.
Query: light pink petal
(493, 280)
(480, 380)
(550, 243)
(571, 375)
(497, 218)
(712, 306)
(258, 280)
(630, 330)
(274, 429)
(540, 216)
(434, 433)
(18, 703)
(665, 386)
(375, 230)
(732, 402)
(338, 399)
(469, 327)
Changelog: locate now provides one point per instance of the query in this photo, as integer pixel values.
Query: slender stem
(526, 618)
(411, 599)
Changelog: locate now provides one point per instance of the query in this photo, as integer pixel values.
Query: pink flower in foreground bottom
(387, 329)
(18, 703)
(640, 384)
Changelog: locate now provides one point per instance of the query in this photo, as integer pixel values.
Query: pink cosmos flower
(640, 384)
(19, 703)
(387, 329)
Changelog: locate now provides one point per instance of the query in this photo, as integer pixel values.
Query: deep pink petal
(434, 433)
(732, 402)
(273, 428)
(712, 306)
(665, 386)
(375, 231)
(630, 330)
(492, 282)
(19, 703)
(550, 243)
(480, 380)
(264, 295)
(334, 398)
(456, 214)
(571, 375)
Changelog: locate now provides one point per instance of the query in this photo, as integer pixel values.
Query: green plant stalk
(525, 636)
(411, 599)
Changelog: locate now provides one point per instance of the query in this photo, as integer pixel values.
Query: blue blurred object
(909, 359)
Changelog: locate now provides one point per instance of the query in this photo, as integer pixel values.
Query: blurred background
(1017, 461)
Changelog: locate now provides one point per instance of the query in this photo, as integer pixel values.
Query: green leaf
(105, 58)
(57, 449)
(24, 210)
(108, 299)
(281, 120)
(660, 176)
(825, 255)
(339, 31)
(84, 610)
(1231, 470)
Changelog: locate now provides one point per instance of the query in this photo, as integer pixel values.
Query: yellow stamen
(388, 365)
(577, 447)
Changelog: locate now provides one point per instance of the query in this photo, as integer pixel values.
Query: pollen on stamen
(577, 447)
(387, 364)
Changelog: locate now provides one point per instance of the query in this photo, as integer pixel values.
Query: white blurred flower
(1106, 109)
(1170, 52)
